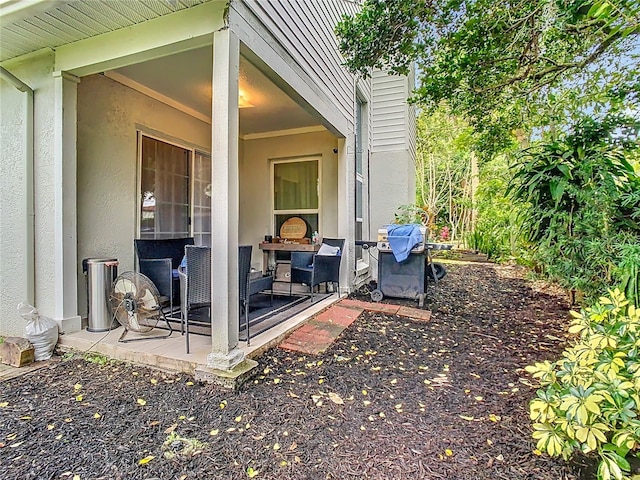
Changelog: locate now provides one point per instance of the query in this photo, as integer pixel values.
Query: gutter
(28, 183)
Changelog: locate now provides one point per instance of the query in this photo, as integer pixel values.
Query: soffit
(186, 79)
(31, 25)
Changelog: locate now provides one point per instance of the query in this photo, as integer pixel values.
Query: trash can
(101, 273)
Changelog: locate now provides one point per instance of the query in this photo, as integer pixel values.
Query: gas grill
(383, 241)
(407, 279)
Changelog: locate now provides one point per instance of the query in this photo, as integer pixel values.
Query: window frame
(303, 211)
(193, 151)
(361, 151)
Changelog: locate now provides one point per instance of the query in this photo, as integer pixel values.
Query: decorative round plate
(294, 228)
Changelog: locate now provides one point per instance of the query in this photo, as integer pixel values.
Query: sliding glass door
(175, 191)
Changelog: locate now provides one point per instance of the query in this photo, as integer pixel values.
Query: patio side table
(268, 248)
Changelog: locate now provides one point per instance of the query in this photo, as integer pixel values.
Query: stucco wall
(13, 261)
(256, 217)
(109, 114)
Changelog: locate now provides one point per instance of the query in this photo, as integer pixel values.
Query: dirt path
(391, 399)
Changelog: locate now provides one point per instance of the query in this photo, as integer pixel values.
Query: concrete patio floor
(169, 353)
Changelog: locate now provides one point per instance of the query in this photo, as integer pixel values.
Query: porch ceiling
(185, 78)
(30, 25)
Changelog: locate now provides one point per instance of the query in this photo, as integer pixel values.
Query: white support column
(347, 206)
(65, 211)
(225, 354)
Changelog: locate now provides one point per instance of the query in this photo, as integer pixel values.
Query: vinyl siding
(393, 118)
(305, 31)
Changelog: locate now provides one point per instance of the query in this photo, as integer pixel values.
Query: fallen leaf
(141, 401)
(171, 429)
(214, 432)
(4, 404)
(77, 386)
(276, 446)
(153, 381)
(335, 398)
(251, 472)
(464, 417)
(448, 452)
(189, 384)
(96, 415)
(51, 426)
(17, 444)
(145, 460)
(79, 398)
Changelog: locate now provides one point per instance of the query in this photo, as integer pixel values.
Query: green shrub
(589, 399)
(581, 205)
(410, 214)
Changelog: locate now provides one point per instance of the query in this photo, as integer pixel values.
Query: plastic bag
(41, 331)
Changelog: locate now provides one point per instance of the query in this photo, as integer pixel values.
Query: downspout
(30, 248)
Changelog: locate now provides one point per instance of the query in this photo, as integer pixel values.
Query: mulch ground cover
(391, 399)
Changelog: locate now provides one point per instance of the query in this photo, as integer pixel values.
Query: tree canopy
(500, 63)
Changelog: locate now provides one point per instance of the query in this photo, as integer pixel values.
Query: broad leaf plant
(590, 398)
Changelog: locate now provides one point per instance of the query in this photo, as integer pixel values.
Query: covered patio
(211, 143)
(200, 119)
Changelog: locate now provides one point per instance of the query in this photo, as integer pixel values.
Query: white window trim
(176, 143)
(274, 212)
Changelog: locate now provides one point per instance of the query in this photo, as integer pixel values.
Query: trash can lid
(99, 260)
(95, 261)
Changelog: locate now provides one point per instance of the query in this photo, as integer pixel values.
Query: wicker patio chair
(196, 288)
(313, 269)
(160, 272)
(171, 248)
(250, 286)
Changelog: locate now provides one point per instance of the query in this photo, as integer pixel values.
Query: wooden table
(267, 248)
